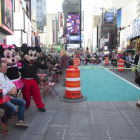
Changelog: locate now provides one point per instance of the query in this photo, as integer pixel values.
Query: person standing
(115, 58)
(64, 64)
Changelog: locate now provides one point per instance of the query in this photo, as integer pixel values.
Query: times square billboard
(109, 17)
(6, 16)
(73, 24)
(73, 6)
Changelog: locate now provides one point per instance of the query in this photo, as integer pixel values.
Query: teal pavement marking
(101, 85)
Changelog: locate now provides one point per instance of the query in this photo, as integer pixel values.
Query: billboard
(54, 31)
(7, 15)
(82, 21)
(73, 24)
(73, 38)
(109, 17)
(61, 22)
(119, 16)
(73, 6)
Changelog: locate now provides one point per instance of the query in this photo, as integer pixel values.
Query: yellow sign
(0, 13)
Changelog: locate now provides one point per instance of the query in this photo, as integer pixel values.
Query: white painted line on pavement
(112, 104)
(121, 78)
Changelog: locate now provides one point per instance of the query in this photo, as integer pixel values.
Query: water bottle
(1, 95)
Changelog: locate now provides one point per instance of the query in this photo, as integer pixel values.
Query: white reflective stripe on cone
(120, 63)
(121, 67)
(72, 79)
(73, 89)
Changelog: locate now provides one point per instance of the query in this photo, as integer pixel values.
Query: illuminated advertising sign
(119, 12)
(82, 21)
(61, 22)
(109, 17)
(73, 38)
(53, 31)
(73, 24)
(7, 16)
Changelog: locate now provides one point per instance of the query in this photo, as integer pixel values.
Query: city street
(110, 112)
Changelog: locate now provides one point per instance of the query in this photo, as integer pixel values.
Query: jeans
(64, 75)
(128, 65)
(11, 108)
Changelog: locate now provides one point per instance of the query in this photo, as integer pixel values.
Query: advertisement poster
(61, 23)
(119, 12)
(82, 21)
(73, 24)
(53, 31)
(109, 17)
(8, 13)
(73, 38)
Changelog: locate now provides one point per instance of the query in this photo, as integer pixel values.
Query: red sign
(36, 34)
(129, 46)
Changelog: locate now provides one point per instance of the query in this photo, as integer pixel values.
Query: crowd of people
(18, 71)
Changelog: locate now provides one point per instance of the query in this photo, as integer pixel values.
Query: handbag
(134, 69)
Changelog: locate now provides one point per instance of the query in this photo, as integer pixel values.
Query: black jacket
(136, 59)
(30, 70)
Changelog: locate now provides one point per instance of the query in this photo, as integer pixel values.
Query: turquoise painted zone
(101, 85)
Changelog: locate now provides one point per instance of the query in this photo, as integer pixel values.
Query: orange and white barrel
(121, 65)
(78, 61)
(73, 83)
(106, 61)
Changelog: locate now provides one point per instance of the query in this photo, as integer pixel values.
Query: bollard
(121, 65)
(73, 86)
(106, 61)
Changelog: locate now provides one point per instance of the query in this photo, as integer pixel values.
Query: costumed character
(8, 55)
(29, 75)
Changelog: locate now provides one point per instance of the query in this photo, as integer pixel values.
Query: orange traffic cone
(73, 86)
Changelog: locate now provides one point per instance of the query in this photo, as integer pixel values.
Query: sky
(54, 6)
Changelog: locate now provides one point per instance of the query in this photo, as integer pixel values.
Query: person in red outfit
(29, 75)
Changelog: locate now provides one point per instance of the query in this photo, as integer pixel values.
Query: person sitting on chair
(10, 89)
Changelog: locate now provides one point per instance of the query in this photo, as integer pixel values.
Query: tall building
(51, 29)
(107, 4)
(136, 8)
(39, 7)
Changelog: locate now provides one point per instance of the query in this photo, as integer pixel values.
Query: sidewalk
(88, 120)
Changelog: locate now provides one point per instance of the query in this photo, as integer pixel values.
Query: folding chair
(50, 85)
(60, 77)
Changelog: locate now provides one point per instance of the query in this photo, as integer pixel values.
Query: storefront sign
(129, 46)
